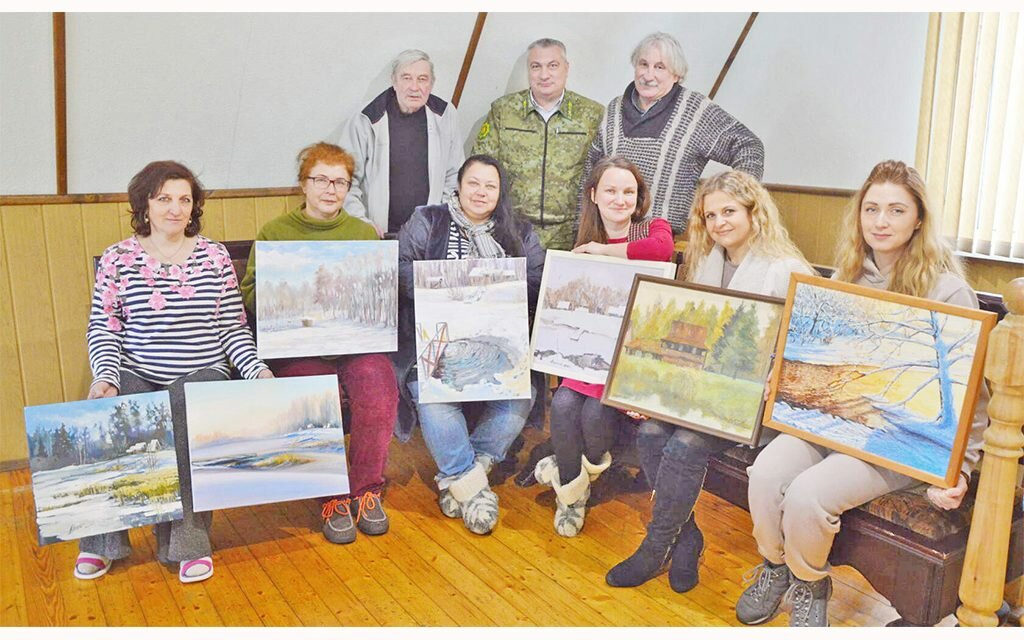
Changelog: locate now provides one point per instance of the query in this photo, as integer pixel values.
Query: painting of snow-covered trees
(260, 441)
(102, 465)
(319, 298)
(887, 378)
(582, 303)
(695, 356)
(472, 332)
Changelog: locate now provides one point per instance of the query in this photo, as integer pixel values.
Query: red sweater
(657, 246)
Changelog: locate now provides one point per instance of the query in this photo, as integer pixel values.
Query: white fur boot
(478, 505)
(571, 503)
(595, 470)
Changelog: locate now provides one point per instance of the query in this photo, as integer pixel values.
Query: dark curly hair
(148, 182)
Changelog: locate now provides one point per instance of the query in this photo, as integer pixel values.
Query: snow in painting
(472, 333)
(582, 302)
(102, 465)
(876, 376)
(316, 298)
(260, 441)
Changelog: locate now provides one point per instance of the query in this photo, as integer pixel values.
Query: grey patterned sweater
(695, 131)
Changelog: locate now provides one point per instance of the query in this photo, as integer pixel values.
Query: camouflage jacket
(544, 160)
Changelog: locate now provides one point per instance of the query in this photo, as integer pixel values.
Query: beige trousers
(797, 492)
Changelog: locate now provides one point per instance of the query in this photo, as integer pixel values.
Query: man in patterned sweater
(671, 132)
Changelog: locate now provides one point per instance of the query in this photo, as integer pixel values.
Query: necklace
(168, 258)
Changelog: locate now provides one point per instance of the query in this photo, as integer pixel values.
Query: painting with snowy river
(326, 298)
(887, 378)
(102, 465)
(260, 441)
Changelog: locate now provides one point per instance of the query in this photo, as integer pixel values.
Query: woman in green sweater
(368, 380)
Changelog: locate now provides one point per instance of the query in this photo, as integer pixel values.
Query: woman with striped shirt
(165, 311)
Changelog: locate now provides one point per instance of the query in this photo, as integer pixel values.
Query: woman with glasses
(367, 380)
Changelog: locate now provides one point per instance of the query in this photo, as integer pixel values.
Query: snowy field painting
(695, 356)
(582, 302)
(260, 441)
(102, 465)
(472, 333)
(887, 378)
(320, 298)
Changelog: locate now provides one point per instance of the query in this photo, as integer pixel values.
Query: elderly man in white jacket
(406, 147)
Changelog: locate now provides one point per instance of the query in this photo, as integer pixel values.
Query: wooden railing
(984, 573)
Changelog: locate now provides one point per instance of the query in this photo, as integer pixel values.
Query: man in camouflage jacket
(541, 136)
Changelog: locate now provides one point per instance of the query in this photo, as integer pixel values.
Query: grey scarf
(482, 243)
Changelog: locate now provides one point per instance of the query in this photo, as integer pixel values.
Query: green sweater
(296, 225)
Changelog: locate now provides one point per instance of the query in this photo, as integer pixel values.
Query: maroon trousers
(368, 381)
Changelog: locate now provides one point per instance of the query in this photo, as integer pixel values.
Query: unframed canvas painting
(887, 378)
(695, 356)
(102, 465)
(582, 303)
(260, 441)
(320, 298)
(472, 333)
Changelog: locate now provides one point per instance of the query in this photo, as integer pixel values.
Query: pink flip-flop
(102, 564)
(185, 565)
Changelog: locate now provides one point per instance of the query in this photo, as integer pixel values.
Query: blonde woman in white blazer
(736, 241)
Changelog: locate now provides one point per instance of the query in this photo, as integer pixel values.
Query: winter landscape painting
(320, 298)
(887, 378)
(102, 465)
(259, 441)
(582, 302)
(695, 356)
(472, 333)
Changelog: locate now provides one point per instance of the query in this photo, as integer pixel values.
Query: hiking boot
(371, 518)
(339, 527)
(809, 602)
(682, 574)
(761, 599)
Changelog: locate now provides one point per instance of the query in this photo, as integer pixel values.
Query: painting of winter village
(102, 465)
(326, 298)
(260, 441)
(695, 356)
(890, 379)
(582, 303)
(472, 333)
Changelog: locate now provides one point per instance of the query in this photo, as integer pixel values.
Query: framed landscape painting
(260, 441)
(695, 356)
(102, 465)
(472, 333)
(326, 298)
(579, 314)
(887, 378)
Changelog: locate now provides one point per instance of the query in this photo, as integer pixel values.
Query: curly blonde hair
(925, 257)
(768, 235)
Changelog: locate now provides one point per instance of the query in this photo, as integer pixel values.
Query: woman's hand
(266, 373)
(637, 416)
(594, 248)
(101, 389)
(948, 499)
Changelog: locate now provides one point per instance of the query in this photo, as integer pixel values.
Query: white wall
(235, 96)
(27, 132)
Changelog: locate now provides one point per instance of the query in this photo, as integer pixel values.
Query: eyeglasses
(321, 182)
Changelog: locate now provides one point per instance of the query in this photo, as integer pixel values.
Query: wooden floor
(273, 567)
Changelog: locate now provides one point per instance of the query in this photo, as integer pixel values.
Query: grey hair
(669, 47)
(407, 57)
(544, 43)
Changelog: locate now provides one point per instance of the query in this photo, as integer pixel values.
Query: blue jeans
(447, 435)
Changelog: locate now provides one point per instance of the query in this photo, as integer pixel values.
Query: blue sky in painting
(298, 260)
(84, 413)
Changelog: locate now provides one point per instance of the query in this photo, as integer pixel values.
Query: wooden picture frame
(695, 356)
(870, 372)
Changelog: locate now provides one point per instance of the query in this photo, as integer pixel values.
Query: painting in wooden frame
(887, 378)
(580, 311)
(695, 356)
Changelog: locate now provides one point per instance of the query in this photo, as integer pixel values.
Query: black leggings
(580, 425)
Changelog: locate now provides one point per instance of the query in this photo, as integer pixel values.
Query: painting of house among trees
(891, 379)
(582, 304)
(326, 297)
(696, 357)
(472, 332)
(102, 465)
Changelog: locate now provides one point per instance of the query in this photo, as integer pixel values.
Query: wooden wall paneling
(239, 219)
(213, 220)
(124, 220)
(269, 208)
(66, 260)
(12, 398)
(101, 227)
(293, 202)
